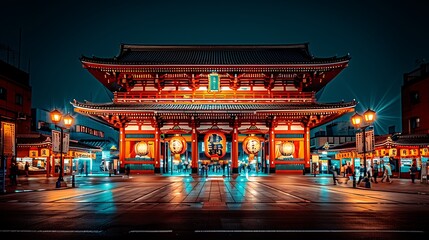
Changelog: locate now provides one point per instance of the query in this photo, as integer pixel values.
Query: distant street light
(357, 121)
(56, 117)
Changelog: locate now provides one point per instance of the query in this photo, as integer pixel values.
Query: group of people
(372, 172)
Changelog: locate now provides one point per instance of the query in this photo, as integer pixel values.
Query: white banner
(66, 141)
(56, 141)
(369, 141)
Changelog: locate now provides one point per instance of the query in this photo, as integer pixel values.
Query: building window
(84, 129)
(43, 126)
(414, 97)
(414, 123)
(18, 99)
(3, 93)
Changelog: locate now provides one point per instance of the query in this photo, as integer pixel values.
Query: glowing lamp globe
(287, 148)
(141, 148)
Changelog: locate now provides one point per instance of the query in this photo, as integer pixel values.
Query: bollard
(73, 181)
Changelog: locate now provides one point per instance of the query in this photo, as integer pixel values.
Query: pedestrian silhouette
(27, 166)
(13, 174)
(413, 172)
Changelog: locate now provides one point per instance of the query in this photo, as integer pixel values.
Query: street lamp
(367, 120)
(56, 117)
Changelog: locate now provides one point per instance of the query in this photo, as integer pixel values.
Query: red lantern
(215, 144)
(251, 146)
(177, 146)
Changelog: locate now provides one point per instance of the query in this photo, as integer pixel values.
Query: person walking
(361, 173)
(334, 174)
(369, 173)
(206, 169)
(413, 172)
(387, 173)
(27, 167)
(375, 172)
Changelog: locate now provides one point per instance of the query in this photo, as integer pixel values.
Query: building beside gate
(180, 108)
(15, 112)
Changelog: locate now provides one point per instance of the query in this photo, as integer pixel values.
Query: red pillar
(272, 152)
(306, 147)
(234, 150)
(122, 146)
(194, 148)
(157, 152)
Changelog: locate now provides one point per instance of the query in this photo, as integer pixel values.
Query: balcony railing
(182, 96)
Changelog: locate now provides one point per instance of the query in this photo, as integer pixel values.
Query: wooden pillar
(271, 124)
(272, 149)
(306, 148)
(194, 124)
(234, 124)
(194, 148)
(157, 123)
(157, 150)
(121, 146)
(234, 150)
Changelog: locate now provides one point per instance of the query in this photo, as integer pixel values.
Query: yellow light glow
(68, 120)
(56, 116)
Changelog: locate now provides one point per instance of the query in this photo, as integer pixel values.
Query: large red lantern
(287, 148)
(251, 146)
(177, 146)
(215, 144)
(141, 148)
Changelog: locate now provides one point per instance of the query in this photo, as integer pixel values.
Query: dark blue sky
(385, 39)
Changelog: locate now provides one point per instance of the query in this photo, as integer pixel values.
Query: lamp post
(56, 117)
(367, 120)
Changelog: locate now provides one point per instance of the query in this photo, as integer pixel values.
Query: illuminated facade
(181, 107)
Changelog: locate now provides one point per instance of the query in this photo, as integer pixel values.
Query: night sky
(385, 39)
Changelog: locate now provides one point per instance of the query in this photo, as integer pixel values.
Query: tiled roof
(32, 139)
(103, 144)
(214, 55)
(40, 139)
(412, 139)
(421, 140)
(210, 107)
(84, 146)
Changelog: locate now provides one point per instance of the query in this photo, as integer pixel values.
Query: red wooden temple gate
(197, 104)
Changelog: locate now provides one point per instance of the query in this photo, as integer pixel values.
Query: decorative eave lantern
(251, 146)
(141, 148)
(177, 146)
(287, 148)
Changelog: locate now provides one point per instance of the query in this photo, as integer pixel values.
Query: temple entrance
(181, 165)
(173, 165)
(256, 165)
(218, 168)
